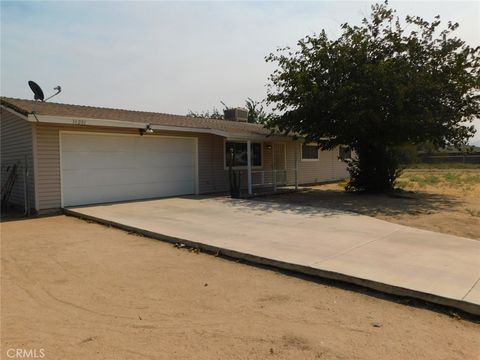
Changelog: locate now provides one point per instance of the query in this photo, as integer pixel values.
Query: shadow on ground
(286, 203)
(329, 202)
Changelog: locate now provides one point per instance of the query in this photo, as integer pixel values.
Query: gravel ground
(80, 290)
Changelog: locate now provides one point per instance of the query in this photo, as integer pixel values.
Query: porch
(263, 166)
(273, 164)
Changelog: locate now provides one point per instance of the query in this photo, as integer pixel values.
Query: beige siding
(48, 162)
(327, 168)
(16, 148)
(339, 167)
(211, 175)
(211, 172)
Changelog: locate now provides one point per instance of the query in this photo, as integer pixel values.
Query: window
(344, 153)
(309, 152)
(240, 153)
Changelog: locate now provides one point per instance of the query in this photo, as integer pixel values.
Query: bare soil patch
(442, 200)
(80, 290)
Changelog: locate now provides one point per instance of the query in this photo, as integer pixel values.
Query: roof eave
(14, 110)
(78, 121)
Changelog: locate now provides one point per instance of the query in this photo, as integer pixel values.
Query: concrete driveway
(396, 259)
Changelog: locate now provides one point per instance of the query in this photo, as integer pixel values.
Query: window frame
(242, 167)
(310, 144)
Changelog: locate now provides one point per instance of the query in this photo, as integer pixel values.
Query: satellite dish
(37, 90)
(38, 93)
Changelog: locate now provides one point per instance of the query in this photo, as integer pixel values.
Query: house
(69, 155)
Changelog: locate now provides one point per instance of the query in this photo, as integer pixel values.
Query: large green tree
(377, 87)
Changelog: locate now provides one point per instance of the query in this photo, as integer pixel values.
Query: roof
(26, 107)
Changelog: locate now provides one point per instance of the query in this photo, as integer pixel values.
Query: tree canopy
(256, 112)
(214, 114)
(378, 86)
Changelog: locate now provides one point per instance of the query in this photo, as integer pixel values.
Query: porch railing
(273, 178)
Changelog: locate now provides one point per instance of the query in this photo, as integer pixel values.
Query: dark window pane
(256, 154)
(345, 152)
(309, 152)
(240, 153)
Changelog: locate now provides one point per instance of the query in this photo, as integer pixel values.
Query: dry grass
(456, 182)
(443, 200)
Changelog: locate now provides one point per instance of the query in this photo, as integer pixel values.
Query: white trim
(295, 147)
(35, 165)
(189, 129)
(225, 167)
(14, 112)
(194, 138)
(61, 162)
(81, 121)
(255, 138)
(197, 176)
(308, 160)
(249, 166)
(124, 134)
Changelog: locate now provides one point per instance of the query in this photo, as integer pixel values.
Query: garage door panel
(112, 177)
(106, 168)
(169, 174)
(74, 142)
(97, 160)
(100, 177)
(99, 194)
(166, 159)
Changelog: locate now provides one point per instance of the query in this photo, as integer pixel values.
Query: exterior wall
(327, 168)
(213, 177)
(17, 148)
(211, 173)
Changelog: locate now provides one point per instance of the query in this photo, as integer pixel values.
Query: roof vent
(236, 114)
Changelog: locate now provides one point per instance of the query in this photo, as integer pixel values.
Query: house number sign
(79, 122)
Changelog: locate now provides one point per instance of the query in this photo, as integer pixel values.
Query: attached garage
(98, 167)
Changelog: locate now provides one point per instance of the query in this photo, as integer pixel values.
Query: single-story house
(69, 155)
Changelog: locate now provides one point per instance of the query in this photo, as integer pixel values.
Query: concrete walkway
(358, 249)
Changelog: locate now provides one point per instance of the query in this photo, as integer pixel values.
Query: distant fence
(473, 158)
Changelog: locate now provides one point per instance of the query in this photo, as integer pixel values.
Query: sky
(174, 56)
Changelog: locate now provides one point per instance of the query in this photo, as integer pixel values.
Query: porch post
(296, 164)
(249, 166)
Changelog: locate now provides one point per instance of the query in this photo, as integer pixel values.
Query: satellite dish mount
(38, 93)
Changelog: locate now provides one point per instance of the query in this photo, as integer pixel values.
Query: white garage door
(100, 168)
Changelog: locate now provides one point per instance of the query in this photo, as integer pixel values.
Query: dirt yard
(442, 200)
(80, 290)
